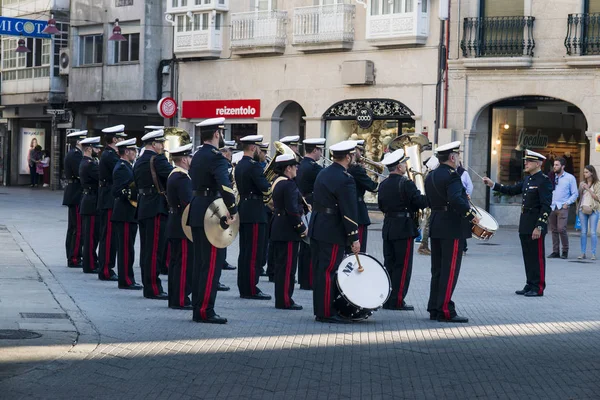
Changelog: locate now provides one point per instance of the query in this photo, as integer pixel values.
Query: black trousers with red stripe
(398, 261)
(107, 246)
(305, 267)
(363, 236)
(326, 258)
(208, 261)
(270, 259)
(181, 264)
(286, 262)
(446, 257)
(125, 234)
(535, 262)
(91, 232)
(253, 239)
(154, 244)
(74, 240)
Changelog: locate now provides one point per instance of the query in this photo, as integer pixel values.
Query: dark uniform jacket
(363, 183)
(399, 199)
(209, 173)
(451, 213)
(334, 214)
(306, 176)
(254, 191)
(72, 194)
(151, 202)
(108, 160)
(287, 225)
(88, 173)
(179, 192)
(123, 190)
(537, 198)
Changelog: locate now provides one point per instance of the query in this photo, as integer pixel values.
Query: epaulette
(122, 162)
(310, 160)
(252, 161)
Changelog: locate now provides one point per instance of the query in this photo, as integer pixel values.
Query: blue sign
(25, 27)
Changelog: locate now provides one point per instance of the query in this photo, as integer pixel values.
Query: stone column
(269, 128)
(315, 127)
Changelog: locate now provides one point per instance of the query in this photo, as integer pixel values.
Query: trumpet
(376, 167)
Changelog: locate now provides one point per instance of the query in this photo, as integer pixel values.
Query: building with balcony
(522, 74)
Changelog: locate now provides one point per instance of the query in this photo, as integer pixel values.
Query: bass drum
(361, 293)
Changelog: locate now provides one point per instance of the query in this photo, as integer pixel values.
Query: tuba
(412, 144)
(280, 149)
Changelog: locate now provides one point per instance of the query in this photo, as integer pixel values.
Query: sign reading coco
(221, 108)
(25, 27)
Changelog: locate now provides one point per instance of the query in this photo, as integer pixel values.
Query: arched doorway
(288, 120)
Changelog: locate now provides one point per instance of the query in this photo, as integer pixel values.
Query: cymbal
(186, 228)
(218, 233)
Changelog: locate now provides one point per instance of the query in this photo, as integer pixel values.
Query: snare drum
(487, 226)
(361, 293)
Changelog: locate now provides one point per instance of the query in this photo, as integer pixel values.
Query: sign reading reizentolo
(195, 109)
(532, 140)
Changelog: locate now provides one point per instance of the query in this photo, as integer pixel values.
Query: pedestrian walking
(588, 209)
(565, 193)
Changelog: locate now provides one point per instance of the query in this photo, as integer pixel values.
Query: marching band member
(123, 213)
(147, 130)
(292, 142)
(151, 171)
(450, 224)
(107, 248)
(268, 249)
(287, 229)
(210, 177)
(332, 227)
(227, 152)
(72, 199)
(255, 192)
(179, 194)
(305, 178)
(89, 176)
(363, 183)
(399, 199)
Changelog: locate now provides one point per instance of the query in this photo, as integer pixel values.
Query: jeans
(593, 222)
(33, 175)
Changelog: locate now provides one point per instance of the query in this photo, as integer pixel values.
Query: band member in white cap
(72, 199)
(227, 151)
(107, 247)
(151, 171)
(89, 176)
(292, 142)
(332, 228)
(267, 257)
(307, 174)
(125, 195)
(533, 224)
(399, 200)
(255, 192)
(450, 224)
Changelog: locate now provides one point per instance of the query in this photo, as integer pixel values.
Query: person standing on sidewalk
(589, 209)
(72, 199)
(89, 175)
(565, 193)
(430, 164)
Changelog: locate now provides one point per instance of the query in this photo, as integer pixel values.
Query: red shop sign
(193, 109)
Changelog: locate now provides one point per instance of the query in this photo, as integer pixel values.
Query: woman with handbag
(589, 208)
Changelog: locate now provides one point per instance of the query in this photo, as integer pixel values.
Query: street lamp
(51, 28)
(116, 34)
(22, 48)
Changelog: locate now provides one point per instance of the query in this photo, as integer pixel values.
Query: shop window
(504, 8)
(90, 49)
(127, 51)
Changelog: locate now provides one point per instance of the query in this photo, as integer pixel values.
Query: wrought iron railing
(322, 24)
(258, 29)
(583, 34)
(498, 37)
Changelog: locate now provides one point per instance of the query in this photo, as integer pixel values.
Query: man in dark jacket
(89, 176)
(72, 199)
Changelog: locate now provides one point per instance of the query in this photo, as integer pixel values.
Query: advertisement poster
(30, 137)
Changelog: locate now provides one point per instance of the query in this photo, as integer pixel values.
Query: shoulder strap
(156, 181)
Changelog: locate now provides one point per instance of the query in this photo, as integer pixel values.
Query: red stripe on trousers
(450, 279)
(92, 223)
(541, 261)
(77, 236)
(184, 260)
(334, 251)
(208, 289)
(361, 229)
(403, 280)
(253, 259)
(154, 253)
(126, 253)
(168, 257)
(288, 272)
(108, 239)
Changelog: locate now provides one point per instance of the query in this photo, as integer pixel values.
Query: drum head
(368, 289)
(487, 221)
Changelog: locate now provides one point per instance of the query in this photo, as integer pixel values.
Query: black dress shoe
(228, 267)
(222, 288)
(336, 319)
(91, 271)
(292, 307)
(523, 291)
(456, 319)
(404, 307)
(75, 265)
(215, 319)
(160, 296)
(554, 255)
(164, 271)
(113, 278)
(532, 293)
(258, 296)
(565, 255)
(186, 307)
(135, 286)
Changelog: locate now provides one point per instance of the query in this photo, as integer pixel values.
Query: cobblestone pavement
(129, 347)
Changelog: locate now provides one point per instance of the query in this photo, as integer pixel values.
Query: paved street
(115, 344)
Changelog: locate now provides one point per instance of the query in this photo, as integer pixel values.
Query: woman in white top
(589, 208)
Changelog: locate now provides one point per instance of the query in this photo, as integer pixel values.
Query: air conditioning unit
(358, 72)
(64, 62)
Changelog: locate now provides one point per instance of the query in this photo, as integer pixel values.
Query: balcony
(400, 29)
(498, 42)
(324, 28)
(206, 43)
(583, 40)
(258, 32)
(182, 6)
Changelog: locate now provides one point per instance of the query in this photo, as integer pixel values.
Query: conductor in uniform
(124, 222)
(89, 176)
(151, 171)
(179, 193)
(399, 200)
(210, 179)
(305, 178)
(533, 223)
(450, 224)
(332, 227)
(107, 247)
(72, 199)
(255, 192)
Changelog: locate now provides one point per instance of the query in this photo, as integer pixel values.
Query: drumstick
(473, 171)
(360, 267)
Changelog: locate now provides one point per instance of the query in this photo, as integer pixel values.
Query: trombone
(376, 170)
